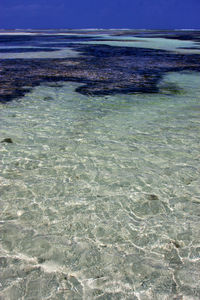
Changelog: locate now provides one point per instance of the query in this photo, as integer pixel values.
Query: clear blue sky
(163, 14)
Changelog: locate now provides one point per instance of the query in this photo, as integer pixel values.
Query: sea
(100, 195)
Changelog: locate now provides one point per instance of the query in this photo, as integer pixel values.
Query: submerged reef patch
(102, 69)
(23, 50)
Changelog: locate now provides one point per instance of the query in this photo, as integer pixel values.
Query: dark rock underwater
(102, 69)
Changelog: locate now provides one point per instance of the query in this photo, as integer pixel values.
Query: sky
(136, 14)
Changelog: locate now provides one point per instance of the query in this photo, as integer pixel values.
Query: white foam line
(18, 33)
(46, 34)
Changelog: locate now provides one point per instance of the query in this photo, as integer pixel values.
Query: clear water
(100, 196)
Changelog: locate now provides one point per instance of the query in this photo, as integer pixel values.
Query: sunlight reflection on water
(100, 195)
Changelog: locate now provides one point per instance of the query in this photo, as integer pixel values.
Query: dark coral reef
(102, 69)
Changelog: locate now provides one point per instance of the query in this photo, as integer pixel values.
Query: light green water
(174, 45)
(62, 53)
(100, 196)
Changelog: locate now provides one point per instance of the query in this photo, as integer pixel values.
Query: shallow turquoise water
(100, 195)
(174, 45)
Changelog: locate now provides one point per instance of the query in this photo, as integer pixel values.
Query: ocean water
(100, 196)
(174, 45)
(98, 38)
